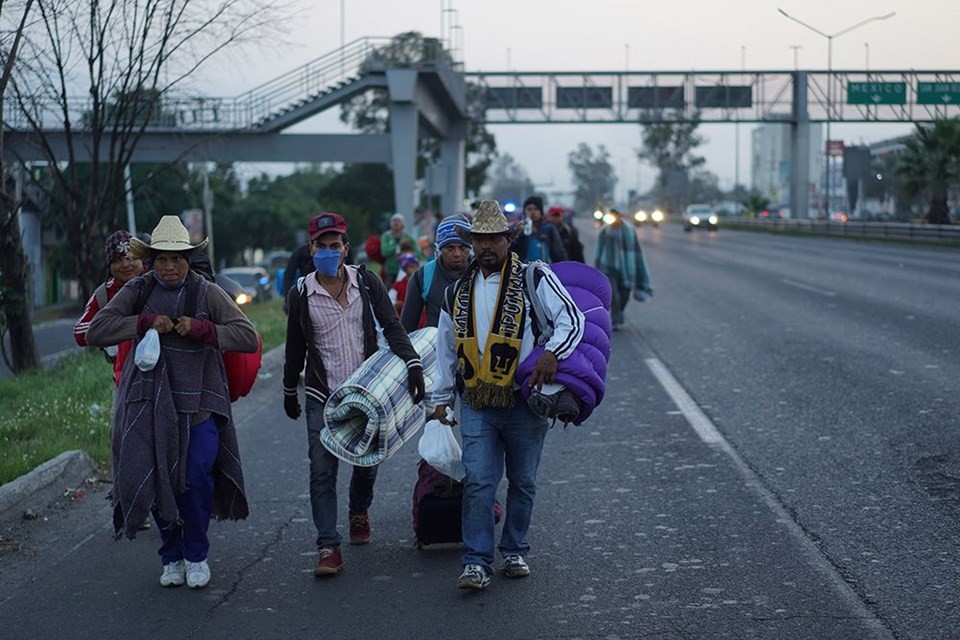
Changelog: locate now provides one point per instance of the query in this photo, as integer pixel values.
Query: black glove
(291, 406)
(415, 384)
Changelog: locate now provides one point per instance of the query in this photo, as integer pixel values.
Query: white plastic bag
(148, 351)
(439, 447)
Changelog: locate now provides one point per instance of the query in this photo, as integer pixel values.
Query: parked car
(699, 216)
(254, 280)
(275, 260)
(232, 287)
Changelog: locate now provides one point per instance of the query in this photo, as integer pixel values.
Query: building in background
(770, 162)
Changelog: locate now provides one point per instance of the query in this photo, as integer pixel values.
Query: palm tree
(930, 165)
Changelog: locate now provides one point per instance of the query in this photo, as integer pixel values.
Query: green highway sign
(877, 93)
(938, 93)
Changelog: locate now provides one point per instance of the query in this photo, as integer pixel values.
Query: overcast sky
(613, 35)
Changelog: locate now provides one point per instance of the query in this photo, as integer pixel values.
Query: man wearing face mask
(331, 326)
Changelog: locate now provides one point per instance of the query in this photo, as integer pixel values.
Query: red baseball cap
(326, 223)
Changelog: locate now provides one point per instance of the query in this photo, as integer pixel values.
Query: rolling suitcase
(437, 503)
(437, 507)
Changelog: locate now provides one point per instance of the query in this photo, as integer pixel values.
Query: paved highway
(776, 458)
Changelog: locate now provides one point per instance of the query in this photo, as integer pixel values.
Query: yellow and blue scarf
(489, 380)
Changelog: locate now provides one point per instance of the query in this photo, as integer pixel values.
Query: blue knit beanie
(446, 231)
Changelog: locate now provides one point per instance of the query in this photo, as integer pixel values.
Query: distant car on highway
(254, 280)
(654, 217)
(699, 216)
(232, 287)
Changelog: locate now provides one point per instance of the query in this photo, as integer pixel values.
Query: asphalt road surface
(776, 457)
(54, 339)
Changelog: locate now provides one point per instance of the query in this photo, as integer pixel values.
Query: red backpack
(242, 369)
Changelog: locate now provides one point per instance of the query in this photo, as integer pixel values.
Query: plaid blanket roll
(369, 417)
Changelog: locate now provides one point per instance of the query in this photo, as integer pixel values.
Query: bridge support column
(452, 155)
(401, 84)
(800, 149)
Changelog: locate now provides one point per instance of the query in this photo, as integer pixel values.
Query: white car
(699, 216)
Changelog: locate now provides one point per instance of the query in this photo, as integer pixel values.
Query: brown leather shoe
(329, 561)
(359, 528)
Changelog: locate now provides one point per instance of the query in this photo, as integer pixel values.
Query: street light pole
(736, 146)
(830, 37)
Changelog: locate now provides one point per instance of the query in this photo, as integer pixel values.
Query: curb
(44, 484)
(38, 488)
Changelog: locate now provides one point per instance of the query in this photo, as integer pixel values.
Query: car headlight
(598, 215)
(242, 298)
(712, 219)
(694, 219)
(657, 215)
(609, 218)
(640, 216)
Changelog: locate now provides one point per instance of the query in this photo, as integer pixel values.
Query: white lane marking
(79, 544)
(817, 559)
(697, 419)
(807, 287)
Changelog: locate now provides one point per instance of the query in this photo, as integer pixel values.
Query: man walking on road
(175, 450)
(485, 331)
(540, 240)
(422, 308)
(331, 327)
(618, 256)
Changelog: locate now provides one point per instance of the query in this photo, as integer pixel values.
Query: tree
(126, 57)
(370, 111)
(509, 182)
(930, 165)
(15, 302)
(756, 202)
(593, 176)
(669, 146)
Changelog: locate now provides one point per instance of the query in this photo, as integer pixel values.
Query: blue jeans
(494, 439)
(323, 481)
(188, 540)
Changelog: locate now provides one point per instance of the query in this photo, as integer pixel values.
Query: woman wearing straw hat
(175, 451)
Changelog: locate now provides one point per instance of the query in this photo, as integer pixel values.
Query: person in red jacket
(122, 269)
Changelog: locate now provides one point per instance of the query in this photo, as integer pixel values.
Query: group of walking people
(175, 453)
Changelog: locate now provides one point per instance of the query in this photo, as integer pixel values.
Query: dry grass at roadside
(48, 411)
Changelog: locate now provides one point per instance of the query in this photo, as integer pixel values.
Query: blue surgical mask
(327, 261)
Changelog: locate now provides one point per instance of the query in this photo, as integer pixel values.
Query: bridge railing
(306, 80)
(942, 233)
(178, 111)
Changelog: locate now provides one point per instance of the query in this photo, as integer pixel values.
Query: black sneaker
(514, 566)
(473, 577)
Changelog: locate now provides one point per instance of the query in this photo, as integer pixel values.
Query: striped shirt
(337, 332)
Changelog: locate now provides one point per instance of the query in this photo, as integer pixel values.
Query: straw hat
(489, 220)
(168, 235)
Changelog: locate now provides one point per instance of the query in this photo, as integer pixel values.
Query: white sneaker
(174, 574)
(198, 574)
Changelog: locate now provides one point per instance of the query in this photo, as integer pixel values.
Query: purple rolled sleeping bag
(585, 371)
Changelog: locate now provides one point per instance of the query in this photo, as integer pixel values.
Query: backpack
(372, 247)
(429, 269)
(241, 368)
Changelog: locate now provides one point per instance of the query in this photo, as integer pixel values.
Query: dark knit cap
(536, 201)
(117, 245)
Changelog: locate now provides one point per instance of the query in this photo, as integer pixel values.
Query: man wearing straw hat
(175, 450)
(485, 331)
